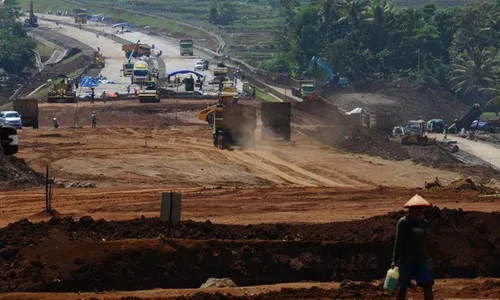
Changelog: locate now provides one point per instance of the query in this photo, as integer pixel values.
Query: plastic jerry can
(391, 280)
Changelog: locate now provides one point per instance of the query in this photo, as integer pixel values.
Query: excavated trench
(64, 255)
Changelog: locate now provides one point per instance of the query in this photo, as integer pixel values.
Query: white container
(391, 280)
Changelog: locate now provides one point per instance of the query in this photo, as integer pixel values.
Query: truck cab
(186, 47)
(303, 89)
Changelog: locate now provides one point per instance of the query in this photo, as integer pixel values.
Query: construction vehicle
(435, 126)
(32, 20)
(140, 73)
(81, 15)
(302, 88)
(234, 125)
(227, 95)
(149, 93)
(62, 91)
(220, 70)
(97, 60)
(415, 134)
(276, 118)
(333, 78)
(28, 109)
(9, 140)
(136, 50)
(466, 121)
(186, 47)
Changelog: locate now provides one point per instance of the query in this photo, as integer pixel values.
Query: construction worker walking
(410, 249)
(94, 120)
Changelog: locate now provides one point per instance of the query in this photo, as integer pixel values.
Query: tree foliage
(365, 40)
(16, 47)
(222, 12)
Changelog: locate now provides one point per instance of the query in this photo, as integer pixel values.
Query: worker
(92, 95)
(55, 122)
(104, 96)
(410, 249)
(445, 131)
(94, 120)
(76, 84)
(128, 90)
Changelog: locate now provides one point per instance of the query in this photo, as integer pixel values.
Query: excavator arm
(132, 52)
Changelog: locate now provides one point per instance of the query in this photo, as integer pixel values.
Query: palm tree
(352, 10)
(377, 10)
(474, 71)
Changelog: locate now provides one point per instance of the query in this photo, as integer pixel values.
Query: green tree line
(368, 40)
(16, 47)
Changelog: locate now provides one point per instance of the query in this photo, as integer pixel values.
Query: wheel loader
(62, 91)
(415, 135)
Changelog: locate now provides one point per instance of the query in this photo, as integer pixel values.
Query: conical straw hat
(417, 201)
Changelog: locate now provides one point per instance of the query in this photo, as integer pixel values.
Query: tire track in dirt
(273, 159)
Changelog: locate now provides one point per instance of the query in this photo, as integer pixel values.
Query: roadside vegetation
(16, 47)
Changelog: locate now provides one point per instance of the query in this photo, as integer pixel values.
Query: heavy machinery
(415, 134)
(149, 93)
(62, 91)
(32, 20)
(227, 95)
(276, 118)
(28, 109)
(9, 141)
(97, 60)
(136, 50)
(81, 15)
(186, 47)
(466, 120)
(140, 73)
(333, 78)
(435, 126)
(302, 88)
(220, 70)
(234, 125)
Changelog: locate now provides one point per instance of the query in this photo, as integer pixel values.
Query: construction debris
(218, 283)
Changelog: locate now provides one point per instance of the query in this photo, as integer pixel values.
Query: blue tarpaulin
(88, 81)
(119, 25)
(185, 72)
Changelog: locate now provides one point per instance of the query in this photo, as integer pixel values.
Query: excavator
(98, 60)
(226, 94)
(128, 66)
(62, 91)
(333, 79)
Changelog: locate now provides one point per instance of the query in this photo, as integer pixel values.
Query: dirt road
(480, 149)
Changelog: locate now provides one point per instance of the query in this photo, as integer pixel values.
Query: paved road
(479, 149)
(169, 47)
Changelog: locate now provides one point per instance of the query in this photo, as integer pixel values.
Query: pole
(47, 189)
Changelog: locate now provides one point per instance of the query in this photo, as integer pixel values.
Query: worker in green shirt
(410, 249)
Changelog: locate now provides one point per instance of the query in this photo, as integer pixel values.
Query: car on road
(199, 65)
(11, 118)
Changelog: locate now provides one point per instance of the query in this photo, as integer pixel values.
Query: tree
(222, 13)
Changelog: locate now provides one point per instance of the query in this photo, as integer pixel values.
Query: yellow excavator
(62, 91)
(227, 94)
(98, 60)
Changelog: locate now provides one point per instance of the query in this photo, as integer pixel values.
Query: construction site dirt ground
(140, 151)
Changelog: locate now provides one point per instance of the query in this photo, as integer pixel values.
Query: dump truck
(466, 120)
(28, 109)
(186, 47)
(32, 20)
(81, 15)
(276, 119)
(234, 125)
(139, 51)
(98, 60)
(62, 91)
(415, 134)
(302, 88)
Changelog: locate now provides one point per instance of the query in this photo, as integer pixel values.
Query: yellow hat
(417, 201)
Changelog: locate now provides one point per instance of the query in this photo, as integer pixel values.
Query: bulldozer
(415, 134)
(97, 60)
(62, 91)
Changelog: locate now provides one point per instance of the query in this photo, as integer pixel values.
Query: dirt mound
(15, 173)
(466, 183)
(116, 255)
(360, 140)
(403, 99)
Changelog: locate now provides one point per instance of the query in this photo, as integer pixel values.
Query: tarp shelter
(120, 25)
(88, 81)
(185, 72)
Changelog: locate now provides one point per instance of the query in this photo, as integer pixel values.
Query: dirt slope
(15, 173)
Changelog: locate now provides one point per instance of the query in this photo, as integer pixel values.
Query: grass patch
(488, 115)
(71, 59)
(43, 49)
(263, 96)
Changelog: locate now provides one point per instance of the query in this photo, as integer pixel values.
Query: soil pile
(15, 173)
(404, 100)
(467, 184)
(356, 139)
(115, 255)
